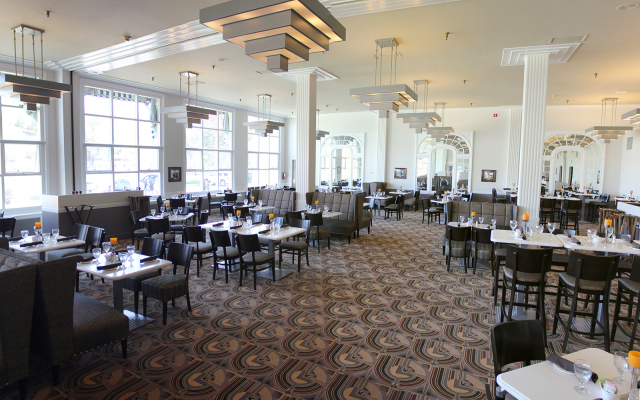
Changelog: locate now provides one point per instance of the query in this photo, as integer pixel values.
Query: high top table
(172, 218)
(272, 240)
(40, 249)
(379, 200)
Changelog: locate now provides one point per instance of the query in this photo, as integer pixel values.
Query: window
(21, 150)
(263, 157)
(341, 161)
(122, 142)
(441, 164)
(572, 158)
(209, 153)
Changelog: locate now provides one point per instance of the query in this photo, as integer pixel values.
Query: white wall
(630, 164)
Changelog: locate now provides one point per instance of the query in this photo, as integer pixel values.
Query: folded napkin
(567, 234)
(85, 259)
(284, 226)
(634, 245)
(64, 238)
(14, 239)
(264, 231)
(567, 365)
(146, 259)
(573, 240)
(236, 227)
(31, 244)
(183, 213)
(218, 223)
(108, 266)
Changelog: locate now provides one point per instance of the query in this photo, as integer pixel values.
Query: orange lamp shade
(252, 197)
(563, 189)
(238, 212)
(270, 215)
(113, 240)
(317, 202)
(608, 222)
(167, 204)
(379, 190)
(38, 224)
(634, 359)
(525, 217)
(180, 192)
(473, 213)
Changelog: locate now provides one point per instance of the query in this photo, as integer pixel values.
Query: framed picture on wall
(400, 173)
(488, 175)
(175, 174)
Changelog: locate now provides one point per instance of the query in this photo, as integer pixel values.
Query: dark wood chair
(160, 228)
(175, 203)
(317, 232)
(547, 207)
(570, 210)
(497, 199)
(171, 286)
(291, 215)
(482, 248)
(137, 232)
(195, 235)
(213, 204)
(80, 233)
(457, 244)
(249, 247)
(152, 248)
(430, 211)
(223, 251)
(397, 207)
(7, 225)
(296, 247)
(628, 289)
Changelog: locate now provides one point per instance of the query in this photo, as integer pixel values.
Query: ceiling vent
(568, 39)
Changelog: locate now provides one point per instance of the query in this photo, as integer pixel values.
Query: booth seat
(350, 205)
(282, 200)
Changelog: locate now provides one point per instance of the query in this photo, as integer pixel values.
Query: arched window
(443, 164)
(341, 161)
(572, 158)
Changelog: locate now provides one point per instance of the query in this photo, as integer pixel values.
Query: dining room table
(30, 246)
(545, 380)
(254, 208)
(378, 200)
(262, 230)
(171, 216)
(118, 273)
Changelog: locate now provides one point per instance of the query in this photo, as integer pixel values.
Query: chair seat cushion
(457, 249)
(259, 257)
(436, 210)
(570, 281)
(202, 247)
(391, 207)
(134, 283)
(500, 252)
(63, 253)
(140, 233)
(96, 324)
(165, 287)
(322, 234)
(560, 259)
(176, 227)
(624, 266)
(484, 251)
(167, 237)
(628, 284)
(531, 277)
(294, 245)
(232, 252)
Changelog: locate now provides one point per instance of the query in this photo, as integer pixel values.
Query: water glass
(230, 216)
(539, 229)
(277, 228)
(131, 249)
(46, 239)
(259, 203)
(326, 208)
(55, 233)
(153, 212)
(25, 235)
(461, 219)
(621, 362)
(493, 223)
(106, 246)
(96, 253)
(481, 220)
(245, 202)
(591, 234)
(180, 209)
(582, 371)
(249, 222)
(123, 256)
(162, 209)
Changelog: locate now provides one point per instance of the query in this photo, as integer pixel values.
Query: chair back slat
(95, 237)
(151, 247)
(458, 234)
(517, 341)
(220, 238)
(591, 267)
(529, 260)
(175, 203)
(314, 218)
(291, 215)
(180, 254)
(248, 243)
(194, 234)
(158, 225)
(481, 235)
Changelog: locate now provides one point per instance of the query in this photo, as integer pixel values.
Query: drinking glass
(46, 239)
(277, 226)
(582, 371)
(163, 209)
(96, 253)
(106, 246)
(55, 233)
(591, 233)
(539, 229)
(621, 362)
(259, 203)
(123, 256)
(326, 208)
(513, 224)
(230, 216)
(180, 209)
(481, 220)
(249, 222)
(25, 235)
(131, 250)
(493, 223)
(153, 212)
(245, 202)
(461, 219)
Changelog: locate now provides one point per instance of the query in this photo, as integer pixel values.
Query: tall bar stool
(528, 268)
(631, 287)
(457, 244)
(547, 206)
(570, 209)
(589, 275)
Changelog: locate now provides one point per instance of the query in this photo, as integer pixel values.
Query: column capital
(320, 73)
(558, 53)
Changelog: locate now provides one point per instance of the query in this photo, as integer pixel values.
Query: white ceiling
(480, 30)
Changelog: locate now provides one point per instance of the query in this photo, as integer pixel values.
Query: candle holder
(524, 229)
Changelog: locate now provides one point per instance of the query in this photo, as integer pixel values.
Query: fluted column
(381, 166)
(534, 102)
(306, 137)
(515, 130)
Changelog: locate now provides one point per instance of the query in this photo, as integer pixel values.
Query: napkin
(236, 227)
(264, 231)
(567, 234)
(218, 223)
(575, 241)
(108, 266)
(151, 258)
(14, 239)
(183, 213)
(31, 244)
(64, 238)
(85, 259)
(634, 245)
(567, 365)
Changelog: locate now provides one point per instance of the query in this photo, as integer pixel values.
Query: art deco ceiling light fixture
(420, 121)
(604, 132)
(439, 132)
(277, 32)
(264, 125)
(186, 113)
(320, 134)
(30, 91)
(384, 99)
(632, 116)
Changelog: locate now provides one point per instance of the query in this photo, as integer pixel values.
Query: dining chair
(628, 289)
(175, 203)
(7, 225)
(396, 207)
(159, 202)
(457, 244)
(213, 204)
(225, 210)
(223, 251)
(317, 232)
(80, 233)
(482, 247)
(151, 248)
(170, 286)
(589, 275)
(195, 235)
(160, 228)
(293, 215)
(230, 198)
(137, 233)
(515, 342)
(497, 199)
(297, 247)
(94, 238)
(430, 211)
(203, 218)
(570, 209)
(547, 206)
(249, 247)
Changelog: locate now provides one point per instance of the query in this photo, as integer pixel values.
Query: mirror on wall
(593, 175)
(341, 161)
(464, 164)
(442, 167)
(569, 168)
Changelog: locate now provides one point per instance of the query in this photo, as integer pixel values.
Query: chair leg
(616, 312)
(255, 277)
(633, 330)
(241, 267)
(512, 297)
(273, 268)
(188, 302)
(329, 243)
(280, 259)
(164, 313)
(77, 282)
(307, 255)
(123, 345)
(136, 297)
(605, 312)
(299, 259)
(574, 304)
(556, 314)
(144, 305)
(226, 271)
(55, 371)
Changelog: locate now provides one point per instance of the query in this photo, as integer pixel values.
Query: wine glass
(582, 371)
(153, 212)
(131, 250)
(162, 209)
(180, 209)
(106, 246)
(259, 203)
(461, 219)
(55, 233)
(96, 253)
(46, 239)
(513, 224)
(245, 202)
(25, 235)
(481, 220)
(621, 362)
(493, 223)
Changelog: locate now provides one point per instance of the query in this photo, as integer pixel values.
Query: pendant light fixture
(439, 132)
(420, 121)
(384, 99)
(320, 134)
(264, 125)
(186, 113)
(604, 132)
(632, 116)
(30, 91)
(277, 32)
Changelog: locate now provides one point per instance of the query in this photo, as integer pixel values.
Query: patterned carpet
(376, 319)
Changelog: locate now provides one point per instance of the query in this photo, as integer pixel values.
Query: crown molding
(322, 74)
(349, 8)
(558, 53)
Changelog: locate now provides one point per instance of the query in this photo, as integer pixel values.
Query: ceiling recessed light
(628, 6)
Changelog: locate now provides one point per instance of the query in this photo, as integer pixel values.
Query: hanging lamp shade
(30, 91)
(632, 116)
(607, 133)
(277, 32)
(188, 114)
(440, 132)
(264, 125)
(419, 121)
(320, 134)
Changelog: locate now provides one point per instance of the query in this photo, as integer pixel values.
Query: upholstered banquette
(350, 205)
(282, 200)
(502, 213)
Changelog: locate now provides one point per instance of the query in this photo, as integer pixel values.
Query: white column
(240, 154)
(306, 94)
(381, 167)
(534, 102)
(515, 130)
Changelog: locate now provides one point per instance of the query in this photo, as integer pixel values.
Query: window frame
(81, 166)
(250, 133)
